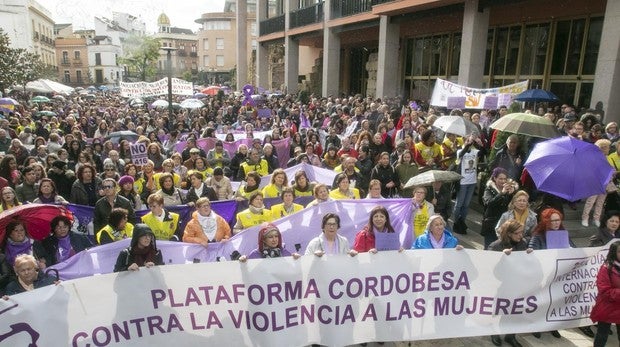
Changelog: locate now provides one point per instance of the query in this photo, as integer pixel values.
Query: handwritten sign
(138, 154)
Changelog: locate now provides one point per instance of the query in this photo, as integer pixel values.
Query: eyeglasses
(109, 169)
(108, 187)
(331, 224)
(555, 220)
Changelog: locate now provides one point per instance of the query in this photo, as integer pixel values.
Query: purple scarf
(50, 200)
(65, 251)
(13, 249)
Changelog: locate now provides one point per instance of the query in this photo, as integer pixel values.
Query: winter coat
(385, 174)
(193, 230)
(602, 237)
(78, 192)
(424, 241)
(495, 204)
(608, 300)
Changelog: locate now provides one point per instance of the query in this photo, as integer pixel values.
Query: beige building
(185, 54)
(217, 43)
(72, 55)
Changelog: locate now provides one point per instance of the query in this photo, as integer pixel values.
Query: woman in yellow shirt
(303, 186)
(343, 189)
(252, 181)
(287, 207)
(278, 182)
(163, 223)
(255, 214)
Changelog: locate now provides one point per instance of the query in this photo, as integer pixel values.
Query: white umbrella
(160, 103)
(428, 177)
(192, 103)
(455, 125)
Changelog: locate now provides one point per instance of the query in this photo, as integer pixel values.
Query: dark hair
(382, 210)
(329, 216)
(45, 179)
(54, 223)
(198, 175)
(27, 169)
(340, 177)
(498, 171)
(10, 227)
(286, 190)
(427, 135)
(163, 177)
(509, 227)
(608, 216)
(116, 216)
(254, 196)
(80, 171)
(609, 261)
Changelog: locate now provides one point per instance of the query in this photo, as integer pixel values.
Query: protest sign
(139, 153)
(334, 300)
(452, 95)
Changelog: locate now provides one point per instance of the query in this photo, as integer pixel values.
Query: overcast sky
(182, 13)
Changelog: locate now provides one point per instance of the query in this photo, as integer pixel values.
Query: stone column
(291, 50)
(242, 43)
(331, 55)
(473, 45)
(262, 51)
(388, 82)
(607, 77)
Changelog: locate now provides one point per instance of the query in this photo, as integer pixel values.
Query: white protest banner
(141, 89)
(333, 300)
(452, 95)
(138, 153)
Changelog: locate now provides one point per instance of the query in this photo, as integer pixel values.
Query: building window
(78, 75)
(206, 61)
(219, 43)
(182, 46)
(76, 55)
(193, 48)
(253, 29)
(97, 58)
(205, 44)
(254, 45)
(219, 60)
(218, 25)
(98, 76)
(65, 57)
(67, 78)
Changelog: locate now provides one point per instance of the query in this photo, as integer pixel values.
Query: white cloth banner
(140, 89)
(452, 95)
(333, 300)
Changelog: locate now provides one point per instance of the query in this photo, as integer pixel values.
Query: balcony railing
(345, 8)
(181, 53)
(307, 15)
(272, 25)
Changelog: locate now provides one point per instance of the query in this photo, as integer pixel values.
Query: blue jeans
(463, 198)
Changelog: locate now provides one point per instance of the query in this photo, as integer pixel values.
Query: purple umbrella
(569, 168)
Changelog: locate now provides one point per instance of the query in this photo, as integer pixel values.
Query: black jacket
(206, 192)
(48, 248)
(495, 204)
(103, 209)
(126, 256)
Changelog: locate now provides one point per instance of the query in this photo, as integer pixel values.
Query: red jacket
(364, 241)
(607, 306)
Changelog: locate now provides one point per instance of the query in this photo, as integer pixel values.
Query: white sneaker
(597, 223)
(584, 222)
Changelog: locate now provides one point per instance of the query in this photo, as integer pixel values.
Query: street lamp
(169, 63)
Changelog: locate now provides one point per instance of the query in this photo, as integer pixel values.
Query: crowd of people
(66, 151)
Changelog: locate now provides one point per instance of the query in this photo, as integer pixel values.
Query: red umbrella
(212, 90)
(36, 218)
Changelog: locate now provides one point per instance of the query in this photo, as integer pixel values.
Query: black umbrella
(117, 136)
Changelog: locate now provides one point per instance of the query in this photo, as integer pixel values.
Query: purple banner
(297, 230)
(490, 102)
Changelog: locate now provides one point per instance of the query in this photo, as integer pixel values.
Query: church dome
(163, 19)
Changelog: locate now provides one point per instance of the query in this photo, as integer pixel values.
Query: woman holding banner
(378, 222)
(269, 245)
(550, 220)
(605, 310)
(436, 236)
(510, 240)
(329, 242)
(142, 251)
